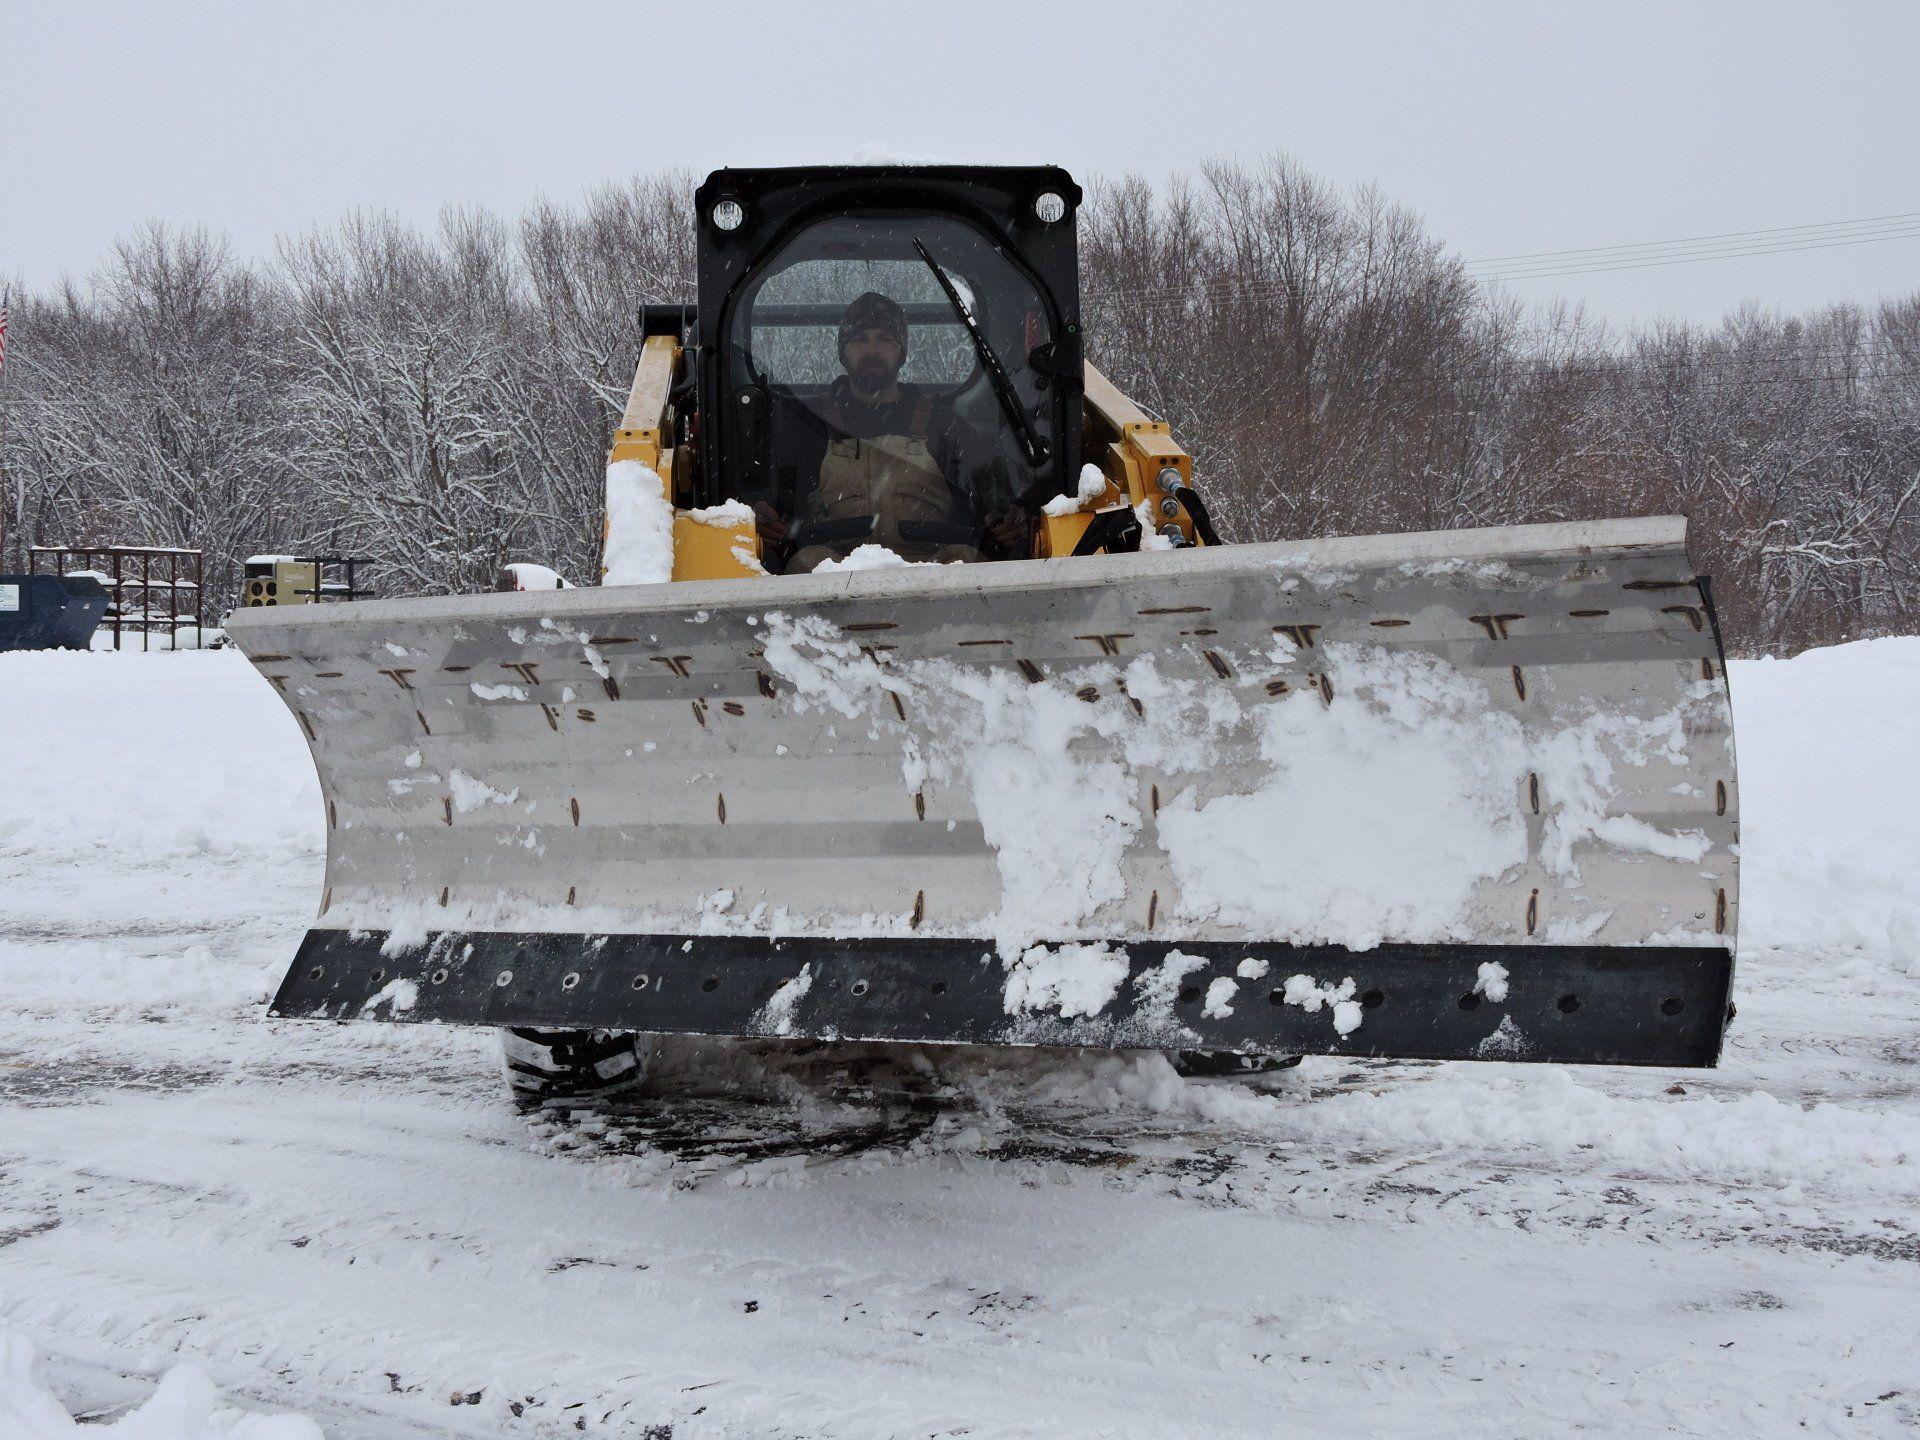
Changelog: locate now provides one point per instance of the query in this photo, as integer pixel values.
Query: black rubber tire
(547, 1067)
(1196, 1064)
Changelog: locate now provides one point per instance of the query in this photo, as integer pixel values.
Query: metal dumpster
(50, 612)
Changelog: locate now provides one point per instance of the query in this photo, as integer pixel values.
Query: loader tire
(546, 1067)
(1207, 1063)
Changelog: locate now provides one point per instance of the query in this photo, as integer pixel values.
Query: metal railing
(137, 578)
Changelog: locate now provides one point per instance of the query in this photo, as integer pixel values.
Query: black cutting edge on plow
(1580, 1004)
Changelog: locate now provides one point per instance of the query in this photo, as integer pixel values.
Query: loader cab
(982, 265)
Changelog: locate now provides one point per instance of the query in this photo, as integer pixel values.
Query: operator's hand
(1012, 531)
(773, 529)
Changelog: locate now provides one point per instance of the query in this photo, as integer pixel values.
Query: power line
(1730, 254)
(1154, 297)
(1689, 240)
(1824, 235)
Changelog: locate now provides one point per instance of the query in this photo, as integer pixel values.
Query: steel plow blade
(1434, 788)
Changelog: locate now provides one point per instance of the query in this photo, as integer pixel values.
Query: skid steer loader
(1466, 795)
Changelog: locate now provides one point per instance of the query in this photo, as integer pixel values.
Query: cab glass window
(917, 450)
(786, 332)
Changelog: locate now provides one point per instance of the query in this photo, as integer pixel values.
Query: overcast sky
(1513, 127)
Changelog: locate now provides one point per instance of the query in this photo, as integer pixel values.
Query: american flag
(3, 337)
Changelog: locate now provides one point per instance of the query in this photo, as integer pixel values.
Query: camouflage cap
(873, 311)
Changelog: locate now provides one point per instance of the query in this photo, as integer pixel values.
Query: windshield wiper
(1031, 442)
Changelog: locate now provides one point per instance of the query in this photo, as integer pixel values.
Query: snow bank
(1569, 1119)
(185, 1406)
(1551, 1112)
(639, 548)
(1829, 795)
(128, 977)
(153, 757)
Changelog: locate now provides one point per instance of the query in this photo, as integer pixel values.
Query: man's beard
(873, 376)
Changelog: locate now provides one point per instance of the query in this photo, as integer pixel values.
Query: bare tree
(442, 401)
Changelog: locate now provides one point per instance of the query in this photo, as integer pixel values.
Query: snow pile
(880, 152)
(1058, 810)
(158, 758)
(639, 548)
(124, 976)
(1309, 994)
(496, 692)
(1158, 988)
(470, 793)
(528, 576)
(184, 637)
(1554, 1113)
(1150, 536)
(1093, 485)
(865, 557)
(1410, 778)
(1071, 979)
(1219, 998)
(776, 1016)
(1577, 766)
(186, 1406)
(1406, 767)
(727, 515)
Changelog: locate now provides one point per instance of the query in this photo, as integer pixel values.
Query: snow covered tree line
(441, 401)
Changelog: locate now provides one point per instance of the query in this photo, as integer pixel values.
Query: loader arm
(646, 422)
(702, 550)
(1144, 466)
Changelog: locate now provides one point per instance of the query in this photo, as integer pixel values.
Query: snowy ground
(349, 1222)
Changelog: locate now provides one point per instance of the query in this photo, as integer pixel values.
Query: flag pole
(9, 499)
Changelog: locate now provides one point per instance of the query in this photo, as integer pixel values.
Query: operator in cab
(896, 466)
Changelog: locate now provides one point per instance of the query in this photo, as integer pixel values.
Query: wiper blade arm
(1031, 442)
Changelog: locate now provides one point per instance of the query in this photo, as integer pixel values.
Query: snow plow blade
(1460, 795)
